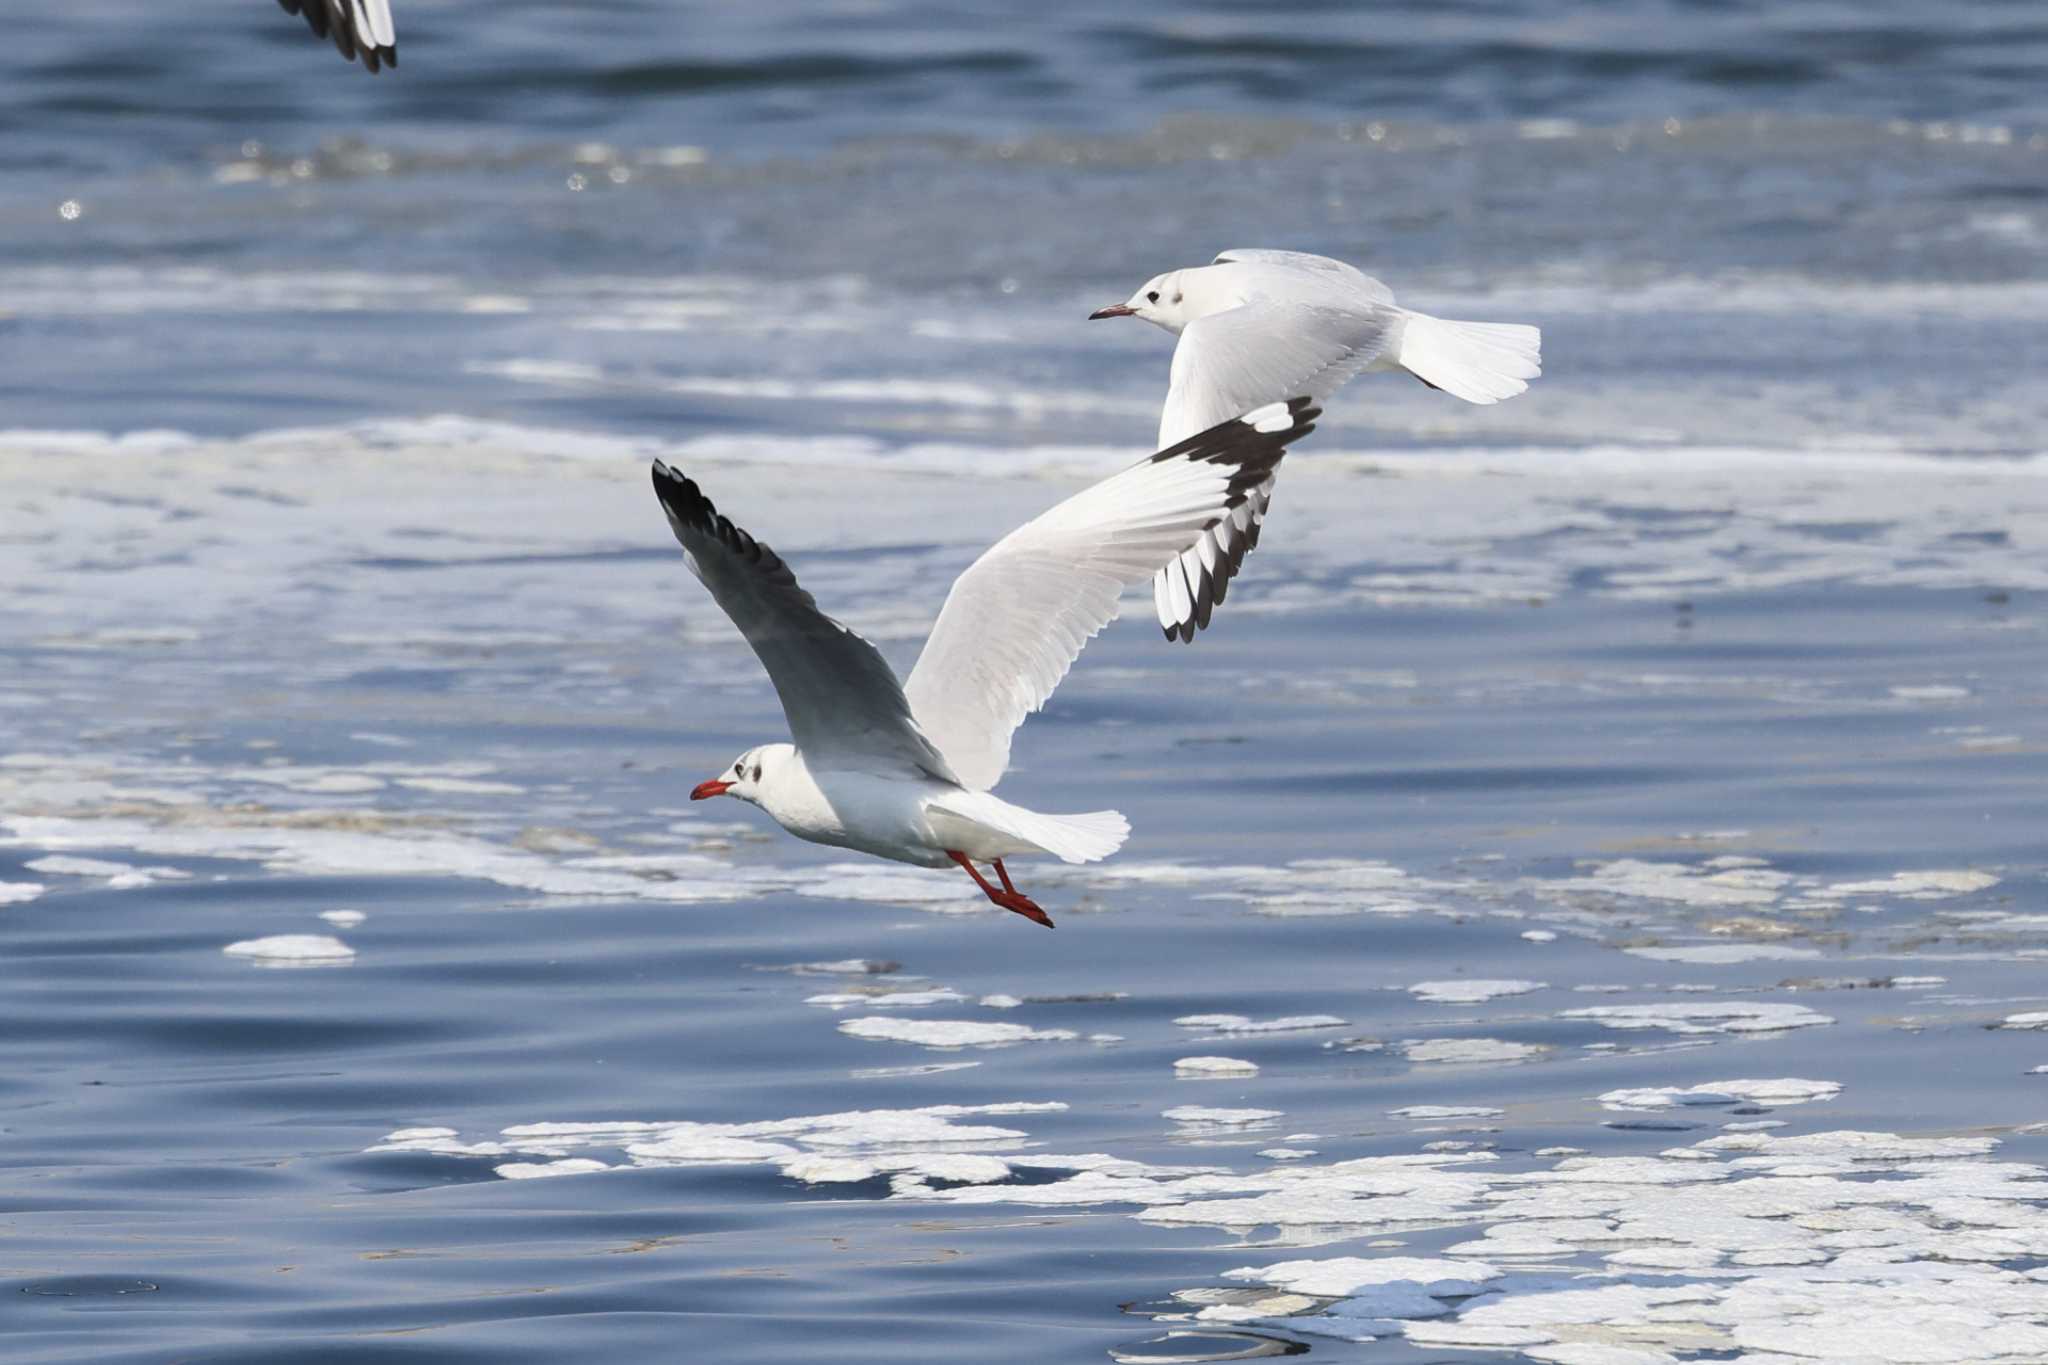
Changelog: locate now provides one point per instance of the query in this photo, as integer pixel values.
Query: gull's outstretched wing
(1016, 620)
(844, 705)
(1308, 324)
(361, 29)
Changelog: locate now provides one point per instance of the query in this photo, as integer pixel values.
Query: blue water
(334, 585)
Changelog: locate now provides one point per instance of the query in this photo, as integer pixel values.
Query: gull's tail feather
(1085, 838)
(1480, 362)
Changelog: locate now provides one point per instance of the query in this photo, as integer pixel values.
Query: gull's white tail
(1084, 838)
(1480, 362)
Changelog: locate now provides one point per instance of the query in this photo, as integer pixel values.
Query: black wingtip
(1254, 444)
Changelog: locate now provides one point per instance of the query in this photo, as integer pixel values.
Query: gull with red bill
(904, 770)
(1256, 326)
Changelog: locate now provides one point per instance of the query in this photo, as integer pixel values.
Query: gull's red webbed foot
(1009, 897)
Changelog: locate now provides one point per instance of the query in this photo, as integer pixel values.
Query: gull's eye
(1152, 296)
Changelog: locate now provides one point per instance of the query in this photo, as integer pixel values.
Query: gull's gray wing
(844, 705)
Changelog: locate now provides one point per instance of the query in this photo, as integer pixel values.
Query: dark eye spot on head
(1152, 296)
(1177, 298)
(757, 773)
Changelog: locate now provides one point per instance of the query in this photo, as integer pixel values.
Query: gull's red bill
(709, 789)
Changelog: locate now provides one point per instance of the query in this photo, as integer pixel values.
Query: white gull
(1256, 326)
(903, 771)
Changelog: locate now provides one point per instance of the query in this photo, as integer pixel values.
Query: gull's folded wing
(361, 29)
(1016, 620)
(841, 699)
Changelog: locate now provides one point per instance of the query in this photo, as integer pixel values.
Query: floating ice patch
(1680, 883)
(1470, 992)
(951, 1032)
(912, 1146)
(529, 1170)
(1445, 1111)
(343, 919)
(1717, 1017)
(1784, 1091)
(1913, 886)
(1215, 1067)
(1930, 692)
(2030, 1019)
(1203, 1116)
(14, 893)
(1238, 1023)
(1303, 1153)
(1469, 1051)
(292, 950)
(1724, 954)
(839, 1000)
(999, 1002)
(1540, 935)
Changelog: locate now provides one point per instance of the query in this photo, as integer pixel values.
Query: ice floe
(1469, 1051)
(1445, 1111)
(913, 1146)
(292, 950)
(1214, 1067)
(1238, 1023)
(14, 893)
(1782, 1091)
(343, 919)
(1204, 1116)
(885, 999)
(1704, 1017)
(951, 1032)
(1470, 991)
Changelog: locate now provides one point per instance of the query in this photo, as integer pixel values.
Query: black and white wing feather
(842, 701)
(1016, 620)
(361, 29)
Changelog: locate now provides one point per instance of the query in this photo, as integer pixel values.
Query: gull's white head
(1172, 301)
(749, 774)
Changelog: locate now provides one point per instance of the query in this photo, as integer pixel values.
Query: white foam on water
(1703, 1018)
(292, 950)
(1214, 1067)
(1471, 991)
(951, 1033)
(1779, 1092)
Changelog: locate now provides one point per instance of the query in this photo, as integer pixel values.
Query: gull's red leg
(1010, 898)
